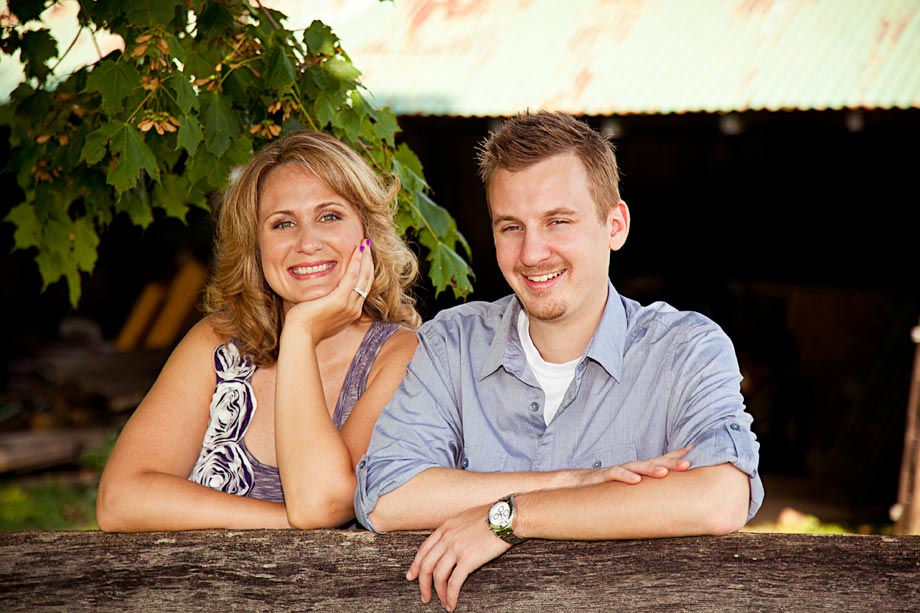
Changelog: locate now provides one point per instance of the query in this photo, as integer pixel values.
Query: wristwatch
(501, 520)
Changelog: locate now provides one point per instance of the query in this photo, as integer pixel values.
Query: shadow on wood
(330, 570)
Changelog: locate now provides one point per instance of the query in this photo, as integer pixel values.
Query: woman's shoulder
(203, 337)
(402, 342)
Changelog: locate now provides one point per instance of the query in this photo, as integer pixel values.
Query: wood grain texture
(327, 570)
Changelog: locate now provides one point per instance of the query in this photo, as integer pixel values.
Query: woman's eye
(329, 217)
(284, 225)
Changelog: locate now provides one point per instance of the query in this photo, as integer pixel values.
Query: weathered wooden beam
(327, 570)
(906, 512)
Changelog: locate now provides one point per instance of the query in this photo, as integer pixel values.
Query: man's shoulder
(476, 313)
(661, 319)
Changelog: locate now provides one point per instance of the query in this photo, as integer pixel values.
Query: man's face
(551, 246)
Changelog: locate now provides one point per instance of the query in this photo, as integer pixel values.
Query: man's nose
(535, 248)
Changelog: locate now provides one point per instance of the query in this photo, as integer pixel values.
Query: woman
(262, 411)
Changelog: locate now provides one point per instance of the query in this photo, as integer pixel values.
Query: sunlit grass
(791, 521)
(55, 501)
(48, 503)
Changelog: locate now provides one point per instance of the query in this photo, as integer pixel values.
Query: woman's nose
(310, 241)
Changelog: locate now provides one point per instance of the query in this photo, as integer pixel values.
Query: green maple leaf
(342, 70)
(219, 122)
(28, 227)
(436, 218)
(85, 242)
(279, 72)
(97, 143)
(132, 155)
(449, 270)
(172, 196)
(319, 39)
(189, 135)
(26, 10)
(186, 98)
(136, 204)
(386, 126)
(115, 81)
(37, 47)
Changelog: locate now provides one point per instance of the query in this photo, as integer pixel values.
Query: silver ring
(361, 292)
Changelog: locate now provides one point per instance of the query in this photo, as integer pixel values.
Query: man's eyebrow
(564, 211)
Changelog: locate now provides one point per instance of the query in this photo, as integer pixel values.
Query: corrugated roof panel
(604, 57)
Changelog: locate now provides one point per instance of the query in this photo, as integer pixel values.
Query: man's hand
(631, 472)
(459, 546)
(464, 542)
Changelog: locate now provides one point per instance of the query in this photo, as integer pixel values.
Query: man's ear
(618, 222)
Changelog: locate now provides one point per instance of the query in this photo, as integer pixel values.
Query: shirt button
(534, 406)
(464, 463)
(597, 464)
(735, 427)
(361, 464)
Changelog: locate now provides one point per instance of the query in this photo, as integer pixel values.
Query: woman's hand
(325, 316)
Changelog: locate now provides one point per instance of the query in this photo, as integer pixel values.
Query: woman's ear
(618, 222)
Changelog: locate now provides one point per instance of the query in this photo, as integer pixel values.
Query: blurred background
(769, 151)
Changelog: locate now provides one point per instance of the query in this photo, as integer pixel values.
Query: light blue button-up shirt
(653, 380)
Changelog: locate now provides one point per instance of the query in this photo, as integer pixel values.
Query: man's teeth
(545, 278)
(307, 270)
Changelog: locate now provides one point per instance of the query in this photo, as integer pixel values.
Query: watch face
(500, 515)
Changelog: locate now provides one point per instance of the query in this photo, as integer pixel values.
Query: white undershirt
(553, 378)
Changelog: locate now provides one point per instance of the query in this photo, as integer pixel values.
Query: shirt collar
(606, 346)
(609, 341)
(506, 338)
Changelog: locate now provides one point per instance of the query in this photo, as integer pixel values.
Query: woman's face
(307, 234)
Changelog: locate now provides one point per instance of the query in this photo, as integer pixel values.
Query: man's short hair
(529, 138)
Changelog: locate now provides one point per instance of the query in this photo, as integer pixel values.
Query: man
(528, 417)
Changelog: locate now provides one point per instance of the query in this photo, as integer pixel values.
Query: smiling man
(563, 411)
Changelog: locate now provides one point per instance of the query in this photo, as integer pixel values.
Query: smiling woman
(298, 354)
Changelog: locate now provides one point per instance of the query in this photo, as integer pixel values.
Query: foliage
(49, 503)
(156, 128)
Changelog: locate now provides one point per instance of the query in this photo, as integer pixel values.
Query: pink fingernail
(368, 241)
(361, 248)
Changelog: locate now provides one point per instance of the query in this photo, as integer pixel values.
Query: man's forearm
(429, 498)
(708, 500)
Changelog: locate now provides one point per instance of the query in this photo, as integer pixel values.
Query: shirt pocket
(604, 457)
(482, 459)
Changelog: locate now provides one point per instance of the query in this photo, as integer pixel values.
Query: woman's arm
(317, 461)
(145, 485)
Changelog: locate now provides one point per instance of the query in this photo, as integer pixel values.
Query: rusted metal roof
(608, 57)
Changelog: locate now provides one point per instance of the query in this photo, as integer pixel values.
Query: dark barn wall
(798, 235)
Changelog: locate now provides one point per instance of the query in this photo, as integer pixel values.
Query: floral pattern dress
(225, 464)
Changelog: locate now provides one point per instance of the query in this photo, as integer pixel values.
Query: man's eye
(511, 228)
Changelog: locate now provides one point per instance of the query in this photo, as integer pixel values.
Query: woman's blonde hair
(238, 297)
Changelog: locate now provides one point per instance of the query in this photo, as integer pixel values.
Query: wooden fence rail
(328, 570)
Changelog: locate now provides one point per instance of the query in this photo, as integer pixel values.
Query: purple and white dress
(225, 464)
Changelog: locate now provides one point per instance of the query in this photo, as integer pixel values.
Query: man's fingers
(441, 574)
(457, 579)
